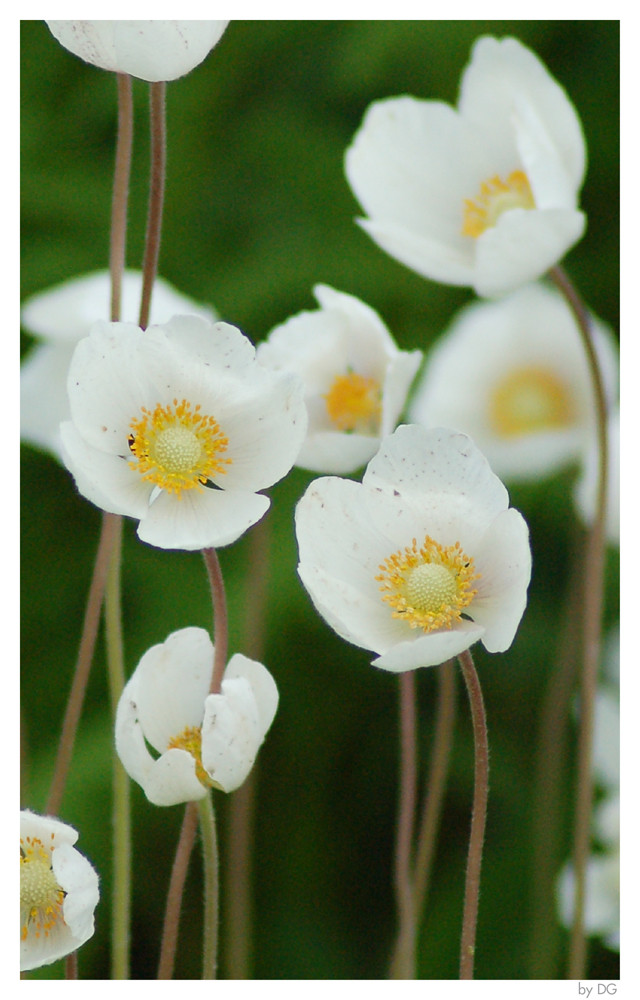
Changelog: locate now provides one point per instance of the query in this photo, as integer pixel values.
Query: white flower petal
(430, 650)
(503, 558)
(172, 779)
(201, 519)
(96, 472)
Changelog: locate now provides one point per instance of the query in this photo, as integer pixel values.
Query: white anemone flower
(179, 427)
(513, 374)
(483, 195)
(421, 559)
(356, 378)
(586, 487)
(61, 316)
(201, 740)
(149, 50)
(58, 891)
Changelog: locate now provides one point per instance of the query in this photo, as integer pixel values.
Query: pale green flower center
(41, 897)
(430, 586)
(495, 197)
(529, 400)
(176, 447)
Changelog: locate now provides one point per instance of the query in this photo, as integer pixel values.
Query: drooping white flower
(180, 427)
(513, 374)
(58, 891)
(484, 195)
(201, 740)
(586, 488)
(149, 50)
(60, 317)
(420, 560)
(356, 379)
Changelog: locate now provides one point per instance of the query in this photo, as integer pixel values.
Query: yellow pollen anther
(428, 587)
(496, 196)
(353, 403)
(529, 400)
(176, 447)
(41, 897)
(190, 739)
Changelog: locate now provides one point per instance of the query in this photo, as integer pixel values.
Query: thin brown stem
(120, 198)
(592, 623)
(220, 620)
(109, 535)
(156, 197)
(176, 890)
(404, 960)
(478, 816)
(71, 966)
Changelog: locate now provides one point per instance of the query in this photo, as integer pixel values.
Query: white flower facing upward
(179, 427)
(58, 891)
(201, 740)
(149, 50)
(60, 317)
(420, 560)
(513, 374)
(356, 379)
(483, 195)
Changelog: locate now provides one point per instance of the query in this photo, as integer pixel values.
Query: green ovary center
(41, 897)
(177, 449)
(430, 587)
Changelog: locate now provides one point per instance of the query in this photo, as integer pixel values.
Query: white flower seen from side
(513, 374)
(58, 891)
(61, 316)
(149, 50)
(179, 427)
(201, 740)
(484, 195)
(420, 560)
(356, 379)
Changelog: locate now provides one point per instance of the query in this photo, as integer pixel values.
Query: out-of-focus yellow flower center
(428, 587)
(529, 400)
(41, 897)
(354, 403)
(190, 739)
(176, 447)
(495, 197)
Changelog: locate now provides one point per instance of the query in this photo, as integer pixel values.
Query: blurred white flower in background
(201, 740)
(149, 50)
(484, 195)
(586, 488)
(356, 379)
(60, 317)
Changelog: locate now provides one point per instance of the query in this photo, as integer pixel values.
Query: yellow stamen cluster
(496, 196)
(190, 739)
(428, 587)
(529, 400)
(41, 897)
(176, 447)
(354, 403)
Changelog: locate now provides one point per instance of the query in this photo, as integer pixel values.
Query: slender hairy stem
(478, 817)
(71, 966)
(592, 620)
(404, 964)
(121, 893)
(109, 533)
(210, 859)
(436, 782)
(120, 198)
(156, 197)
(176, 890)
(221, 629)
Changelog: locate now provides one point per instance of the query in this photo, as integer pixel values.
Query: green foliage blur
(257, 211)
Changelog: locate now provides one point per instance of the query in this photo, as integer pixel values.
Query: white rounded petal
(336, 453)
(79, 880)
(429, 256)
(522, 246)
(44, 403)
(106, 480)
(262, 685)
(172, 779)
(230, 734)
(200, 519)
(503, 559)
(149, 50)
(430, 650)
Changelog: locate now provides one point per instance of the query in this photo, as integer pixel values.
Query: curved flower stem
(220, 621)
(109, 533)
(210, 860)
(404, 962)
(157, 95)
(71, 966)
(592, 624)
(176, 889)
(436, 782)
(120, 198)
(478, 817)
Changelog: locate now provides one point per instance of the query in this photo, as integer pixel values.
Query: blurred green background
(257, 211)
